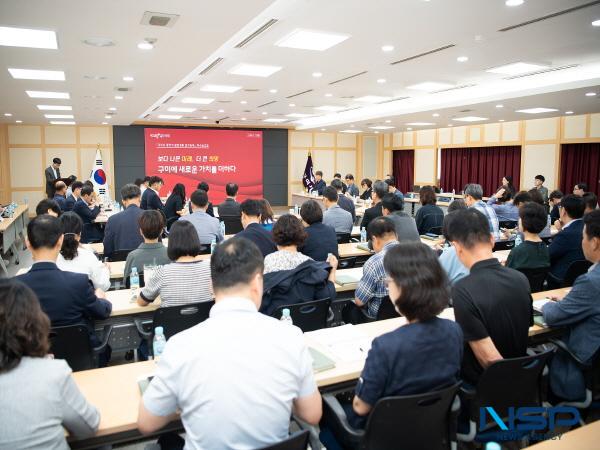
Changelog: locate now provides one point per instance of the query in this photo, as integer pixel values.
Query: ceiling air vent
(168, 100)
(395, 99)
(349, 77)
(156, 108)
(299, 93)
(223, 101)
(266, 104)
(146, 116)
(349, 109)
(348, 96)
(223, 118)
(455, 88)
(251, 90)
(550, 16)
(123, 89)
(466, 110)
(210, 67)
(420, 55)
(258, 32)
(159, 19)
(185, 86)
(538, 72)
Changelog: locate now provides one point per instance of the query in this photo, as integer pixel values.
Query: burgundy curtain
(580, 163)
(482, 165)
(403, 169)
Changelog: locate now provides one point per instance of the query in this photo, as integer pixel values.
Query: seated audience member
(230, 206)
(421, 356)
(539, 186)
(507, 185)
(406, 227)
(391, 182)
(175, 204)
(267, 216)
(321, 239)
(87, 208)
(429, 216)
(591, 202)
(565, 248)
(536, 196)
(150, 252)
(143, 183)
(207, 227)
(40, 398)
(492, 304)
(150, 197)
(74, 196)
(273, 378)
(473, 195)
(253, 231)
(336, 217)
(580, 188)
(203, 186)
(502, 204)
(371, 288)
(122, 229)
(187, 278)
(72, 179)
(579, 313)
(521, 198)
(345, 203)
(338, 176)
(47, 206)
(378, 191)
(554, 199)
(75, 258)
(366, 185)
(533, 252)
(454, 268)
(351, 187)
(320, 184)
(60, 195)
(67, 298)
(290, 276)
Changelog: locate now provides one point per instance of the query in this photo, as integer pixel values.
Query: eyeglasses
(386, 281)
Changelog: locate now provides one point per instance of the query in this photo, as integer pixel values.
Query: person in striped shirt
(474, 199)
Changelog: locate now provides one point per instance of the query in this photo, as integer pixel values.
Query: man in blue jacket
(87, 209)
(565, 248)
(68, 298)
(320, 184)
(122, 230)
(59, 195)
(150, 198)
(579, 313)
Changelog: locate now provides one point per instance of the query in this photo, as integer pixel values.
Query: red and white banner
(218, 157)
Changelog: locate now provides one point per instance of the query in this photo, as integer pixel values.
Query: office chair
(72, 343)
(343, 238)
(119, 255)
(347, 263)
(297, 441)
(387, 310)
(308, 316)
(423, 421)
(503, 245)
(508, 224)
(536, 277)
(576, 269)
(233, 224)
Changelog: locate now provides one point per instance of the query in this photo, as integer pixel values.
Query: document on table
(348, 276)
(346, 343)
(538, 304)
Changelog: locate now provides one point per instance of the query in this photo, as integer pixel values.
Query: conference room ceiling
(201, 48)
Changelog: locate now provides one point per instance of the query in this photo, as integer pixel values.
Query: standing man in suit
(253, 230)
(380, 188)
(60, 191)
(230, 207)
(75, 195)
(320, 183)
(68, 298)
(151, 198)
(52, 174)
(87, 209)
(566, 245)
(122, 230)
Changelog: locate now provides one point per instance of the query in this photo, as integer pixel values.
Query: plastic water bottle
(285, 317)
(492, 446)
(158, 343)
(518, 240)
(213, 245)
(363, 235)
(222, 228)
(134, 283)
(296, 209)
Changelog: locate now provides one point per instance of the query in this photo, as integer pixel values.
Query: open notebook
(348, 276)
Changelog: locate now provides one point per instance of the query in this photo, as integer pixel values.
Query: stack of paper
(348, 276)
(538, 304)
(346, 343)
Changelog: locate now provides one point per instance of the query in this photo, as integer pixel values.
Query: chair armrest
(335, 417)
(467, 392)
(454, 413)
(139, 324)
(106, 332)
(562, 347)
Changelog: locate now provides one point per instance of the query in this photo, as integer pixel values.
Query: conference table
(583, 438)
(114, 390)
(11, 230)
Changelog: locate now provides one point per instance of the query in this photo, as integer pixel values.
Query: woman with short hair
(429, 217)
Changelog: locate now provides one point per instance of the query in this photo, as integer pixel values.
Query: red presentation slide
(218, 157)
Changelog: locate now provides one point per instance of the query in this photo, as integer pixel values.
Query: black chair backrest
(343, 238)
(171, 221)
(308, 316)
(128, 281)
(387, 310)
(233, 224)
(508, 224)
(576, 269)
(204, 249)
(174, 319)
(435, 230)
(297, 441)
(72, 343)
(510, 382)
(536, 277)
(347, 263)
(119, 255)
(504, 245)
(412, 421)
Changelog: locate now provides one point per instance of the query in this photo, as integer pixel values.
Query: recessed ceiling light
(62, 122)
(107, 116)
(18, 121)
(118, 97)
(429, 86)
(352, 125)
(243, 102)
(470, 119)
(420, 124)
(204, 117)
(264, 113)
(298, 115)
(180, 109)
(371, 99)
(323, 129)
(381, 127)
(145, 45)
(243, 118)
(388, 121)
(590, 94)
(54, 108)
(170, 116)
(568, 112)
(291, 105)
(330, 108)
(221, 110)
(450, 125)
(377, 132)
(197, 100)
(25, 37)
(220, 88)
(462, 58)
(409, 129)
(317, 74)
(30, 74)
(328, 95)
(435, 115)
(46, 94)
(58, 116)
(254, 70)
(501, 120)
(499, 106)
(381, 80)
(387, 48)
(273, 91)
(127, 78)
(311, 40)
(350, 131)
(99, 42)
(112, 108)
(8, 114)
(596, 23)
(104, 123)
(536, 110)
(513, 2)
(517, 68)
(274, 120)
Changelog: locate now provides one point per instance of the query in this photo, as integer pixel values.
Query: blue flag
(308, 179)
